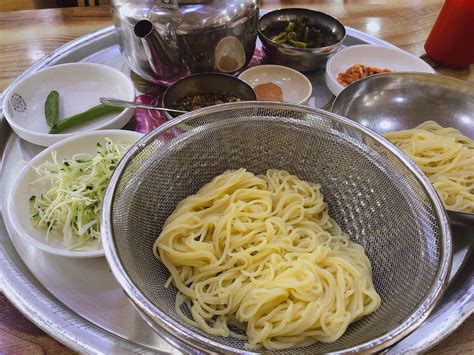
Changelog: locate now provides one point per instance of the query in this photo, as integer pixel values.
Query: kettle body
(163, 40)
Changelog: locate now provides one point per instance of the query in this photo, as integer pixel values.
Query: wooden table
(26, 36)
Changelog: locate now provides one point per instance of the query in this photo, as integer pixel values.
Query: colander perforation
(375, 194)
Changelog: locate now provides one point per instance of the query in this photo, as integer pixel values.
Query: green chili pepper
(85, 116)
(51, 108)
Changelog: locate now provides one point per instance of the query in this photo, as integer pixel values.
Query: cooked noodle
(447, 159)
(262, 252)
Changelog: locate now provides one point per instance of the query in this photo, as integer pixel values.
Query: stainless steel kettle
(163, 40)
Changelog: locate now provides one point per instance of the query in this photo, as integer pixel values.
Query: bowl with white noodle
(431, 119)
(255, 227)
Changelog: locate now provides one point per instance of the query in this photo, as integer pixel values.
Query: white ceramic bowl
(80, 85)
(18, 210)
(295, 86)
(381, 57)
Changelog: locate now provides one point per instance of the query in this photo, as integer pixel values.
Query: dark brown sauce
(194, 102)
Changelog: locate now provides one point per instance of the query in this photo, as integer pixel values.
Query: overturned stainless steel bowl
(397, 101)
(302, 59)
(374, 193)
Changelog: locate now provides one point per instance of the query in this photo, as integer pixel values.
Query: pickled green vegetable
(299, 33)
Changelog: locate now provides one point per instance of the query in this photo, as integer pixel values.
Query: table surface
(27, 36)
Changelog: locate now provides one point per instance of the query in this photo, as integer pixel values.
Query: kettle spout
(163, 56)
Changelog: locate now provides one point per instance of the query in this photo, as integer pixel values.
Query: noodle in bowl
(447, 101)
(263, 250)
(446, 156)
(381, 230)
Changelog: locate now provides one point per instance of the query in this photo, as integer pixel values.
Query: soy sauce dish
(205, 89)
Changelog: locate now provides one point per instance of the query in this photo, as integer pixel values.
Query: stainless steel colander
(376, 195)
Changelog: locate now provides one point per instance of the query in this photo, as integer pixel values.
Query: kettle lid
(198, 15)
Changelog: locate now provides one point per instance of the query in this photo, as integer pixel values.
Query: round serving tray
(79, 302)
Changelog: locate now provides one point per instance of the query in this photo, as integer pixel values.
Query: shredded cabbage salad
(70, 209)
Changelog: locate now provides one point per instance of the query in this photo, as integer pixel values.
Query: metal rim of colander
(188, 340)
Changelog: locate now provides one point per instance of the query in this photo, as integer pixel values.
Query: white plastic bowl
(80, 85)
(295, 86)
(18, 210)
(381, 57)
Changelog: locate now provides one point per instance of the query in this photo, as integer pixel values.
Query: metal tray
(79, 302)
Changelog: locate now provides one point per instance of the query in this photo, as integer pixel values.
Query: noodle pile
(261, 252)
(447, 159)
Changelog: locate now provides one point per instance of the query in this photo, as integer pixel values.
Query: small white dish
(375, 56)
(18, 209)
(80, 85)
(295, 86)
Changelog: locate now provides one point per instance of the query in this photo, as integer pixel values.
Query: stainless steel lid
(200, 15)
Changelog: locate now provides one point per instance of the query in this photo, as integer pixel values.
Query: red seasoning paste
(268, 92)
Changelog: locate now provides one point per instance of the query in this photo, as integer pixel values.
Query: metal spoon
(122, 103)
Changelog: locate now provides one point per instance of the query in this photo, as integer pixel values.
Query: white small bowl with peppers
(75, 105)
